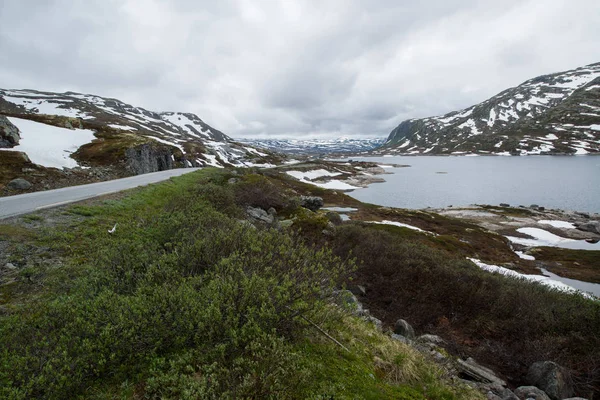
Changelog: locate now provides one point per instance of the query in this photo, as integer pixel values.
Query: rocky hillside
(79, 131)
(551, 114)
(317, 146)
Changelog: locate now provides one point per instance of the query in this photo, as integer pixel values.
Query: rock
(530, 393)
(575, 398)
(272, 211)
(432, 339)
(479, 373)
(19, 184)
(403, 328)
(377, 322)
(541, 208)
(591, 226)
(313, 203)
(258, 214)
(504, 205)
(533, 206)
(401, 338)
(232, 181)
(357, 290)
(346, 299)
(147, 158)
(551, 378)
(9, 134)
(10, 266)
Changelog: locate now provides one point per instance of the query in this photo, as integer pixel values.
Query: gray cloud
(294, 68)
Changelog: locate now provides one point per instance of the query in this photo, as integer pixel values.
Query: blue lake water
(562, 182)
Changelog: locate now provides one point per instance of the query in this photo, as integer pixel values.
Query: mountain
(551, 114)
(67, 130)
(316, 146)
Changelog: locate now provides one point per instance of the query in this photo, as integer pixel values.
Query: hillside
(228, 283)
(551, 114)
(112, 138)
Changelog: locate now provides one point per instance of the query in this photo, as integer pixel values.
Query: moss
(583, 265)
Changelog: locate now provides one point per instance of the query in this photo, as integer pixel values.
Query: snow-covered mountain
(316, 146)
(118, 130)
(551, 114)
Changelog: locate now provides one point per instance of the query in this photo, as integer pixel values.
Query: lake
(562, 182)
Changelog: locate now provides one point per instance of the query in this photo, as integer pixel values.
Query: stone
(401, 327)
(533, 206)
(10, 266)
(432, 339)
(313, 203)
(232, 181)
(272, 211)
(478, 373)
(401, 338)
(19, 184)
(530, 393)
(541, 208)
(377, 322)
(591, 226)
(346, 299)
(551, 378)
(357, 290)
(258, 214)
(147, 158)
(9, 134)
(504, 205)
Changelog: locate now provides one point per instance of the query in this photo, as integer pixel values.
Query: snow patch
(48, 145)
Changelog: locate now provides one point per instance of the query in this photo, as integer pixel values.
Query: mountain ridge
(557, 113)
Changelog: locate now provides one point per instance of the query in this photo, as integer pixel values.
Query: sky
(294, 68)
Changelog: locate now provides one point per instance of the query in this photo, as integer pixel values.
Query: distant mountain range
(551, 114)
(317, 146)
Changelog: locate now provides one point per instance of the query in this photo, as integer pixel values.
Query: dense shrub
(505, 323)
(184, 289)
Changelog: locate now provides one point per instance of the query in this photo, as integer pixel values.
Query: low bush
(505, 323)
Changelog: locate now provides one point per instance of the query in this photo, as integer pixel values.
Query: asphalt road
(29, 202)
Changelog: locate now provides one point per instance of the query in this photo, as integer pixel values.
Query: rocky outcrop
(403, 328)
(19, 184)
(551, 378)
(591, 226)
(478, 373)
(9, 134)
(148, 158)
(530, 393)
(259, 215)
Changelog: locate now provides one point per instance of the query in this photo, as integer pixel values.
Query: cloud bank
(297, 68)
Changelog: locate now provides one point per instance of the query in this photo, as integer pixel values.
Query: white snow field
(50, 146)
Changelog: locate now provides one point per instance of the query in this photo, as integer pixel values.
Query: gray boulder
(258, 214)
(432, 339)
(401, 338)
(531, 393)
(478, 373)
(346, 299)
(403, 328)
(313, 203)
(551, 378)
(9, 134)
(19, 184)
(591, 226)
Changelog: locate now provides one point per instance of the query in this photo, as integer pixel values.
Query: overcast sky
(294, 68)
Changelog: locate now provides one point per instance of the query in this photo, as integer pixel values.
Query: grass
(183, 301)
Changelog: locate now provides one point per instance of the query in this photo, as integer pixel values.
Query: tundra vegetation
(187, 299)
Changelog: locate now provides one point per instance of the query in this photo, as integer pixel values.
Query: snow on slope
(49, 145)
